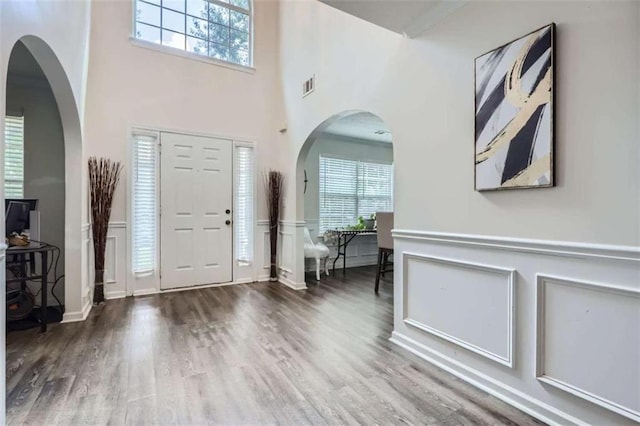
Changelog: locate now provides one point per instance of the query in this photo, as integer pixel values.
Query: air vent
(308, 86)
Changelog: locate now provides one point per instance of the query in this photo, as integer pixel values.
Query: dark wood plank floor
(245, 354)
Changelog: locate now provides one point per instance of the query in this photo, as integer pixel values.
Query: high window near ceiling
(219, 29)
(350, 189)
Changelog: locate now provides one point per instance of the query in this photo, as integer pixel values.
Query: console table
(344, 238)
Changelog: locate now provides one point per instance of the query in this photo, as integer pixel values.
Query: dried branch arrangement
(273, 182)
(104, 176)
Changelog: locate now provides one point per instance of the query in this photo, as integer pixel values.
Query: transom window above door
(219, 29)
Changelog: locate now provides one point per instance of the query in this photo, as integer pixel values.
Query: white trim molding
(509, 275)
(542, 375)
(574, 338)
(294, 223)
(292, 284)
(78, 316)
(553, 248)
(115, 295)
(189, 55)
(508, 394)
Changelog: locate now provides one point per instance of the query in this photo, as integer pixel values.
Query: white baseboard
(115, 295)
(293, 285)
(511, 396)
(78, 315)
(150, 291)
(145, 292)
(199, 287)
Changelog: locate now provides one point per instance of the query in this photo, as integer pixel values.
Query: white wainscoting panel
(581, 330)
(469, 304)
(115, 268)
(574, 350)
(88, 282)
(111, 260)
(288, 234)
(286, 249)
(291, 255)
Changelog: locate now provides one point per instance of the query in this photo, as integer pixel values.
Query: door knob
(228, 222)
(228, 211)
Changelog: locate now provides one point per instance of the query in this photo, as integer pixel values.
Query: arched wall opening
(75, 291)
(347, 137)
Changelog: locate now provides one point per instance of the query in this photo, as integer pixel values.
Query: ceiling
(361, 125)
(407, 17)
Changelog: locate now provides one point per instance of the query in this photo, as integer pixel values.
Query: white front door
(196, 200)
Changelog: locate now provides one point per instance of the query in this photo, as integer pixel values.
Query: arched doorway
(357, 145)
(73, 170)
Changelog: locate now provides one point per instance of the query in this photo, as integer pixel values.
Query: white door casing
(195, 196)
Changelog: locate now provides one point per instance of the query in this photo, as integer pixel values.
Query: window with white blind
(350, 189)
(145, 202)
(243, 212)
(14, 157)
(219, 29)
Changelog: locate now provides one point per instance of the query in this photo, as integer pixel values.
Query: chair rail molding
(572, 352)
(556, 248)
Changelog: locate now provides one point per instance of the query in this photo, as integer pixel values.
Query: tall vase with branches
(104, 175)
(273, 181)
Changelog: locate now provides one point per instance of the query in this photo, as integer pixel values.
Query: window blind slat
(145, 204)
(244, 199)
(14, 157)
(350, 189)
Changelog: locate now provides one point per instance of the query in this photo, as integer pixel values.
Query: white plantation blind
(14, 157)
(350, 189)
(243, 208)
(145, 203)
(375, 188)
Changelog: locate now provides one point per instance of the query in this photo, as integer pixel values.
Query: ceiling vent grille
(308, 86)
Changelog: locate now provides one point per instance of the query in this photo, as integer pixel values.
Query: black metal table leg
(344, 255)
(23, 271)
(337, 255)
(43, 308)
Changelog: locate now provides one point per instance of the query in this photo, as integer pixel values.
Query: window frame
(133, 132)
(356, 195)
(243, 144)
(9, 115)
(159, 47)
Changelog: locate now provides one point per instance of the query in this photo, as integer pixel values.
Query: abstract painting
(514, 114)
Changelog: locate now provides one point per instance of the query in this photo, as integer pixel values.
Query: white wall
(57, 36)
(64, 27)
(44, 174)
(131, 85)
(423, 89)
(362, 250)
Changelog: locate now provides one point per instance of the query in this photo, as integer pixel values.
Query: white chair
(317, 251)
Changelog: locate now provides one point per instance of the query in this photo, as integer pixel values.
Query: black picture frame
(519, 157)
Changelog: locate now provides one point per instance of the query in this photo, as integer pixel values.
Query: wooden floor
(245, 354)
